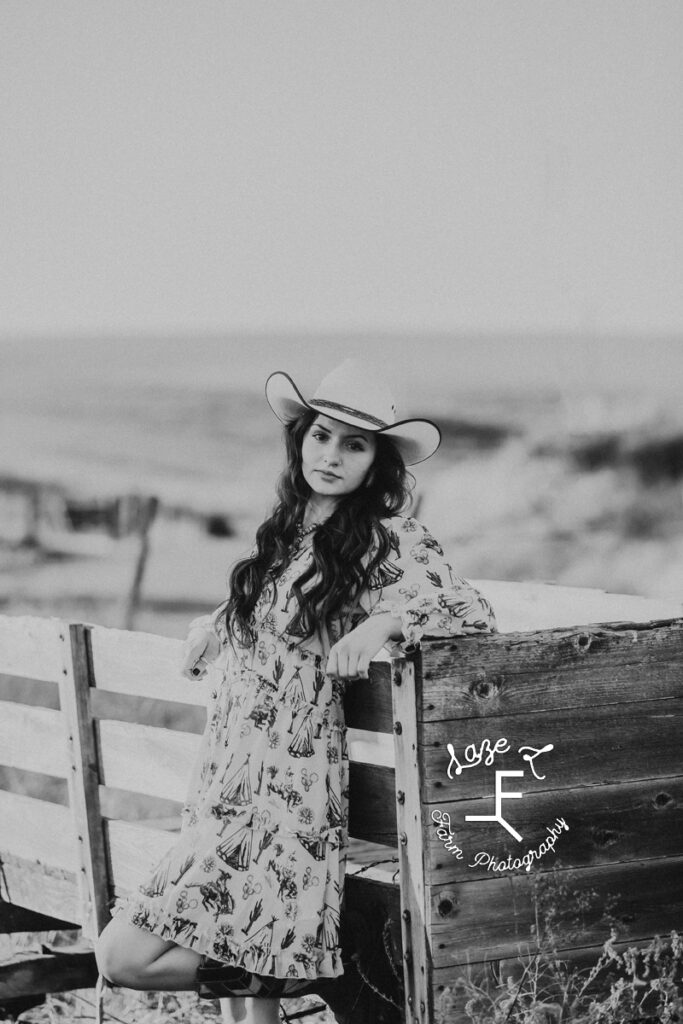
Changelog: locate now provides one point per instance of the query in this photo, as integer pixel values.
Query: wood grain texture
(32, 739)
(146, 759)
(145, 665)
(51, 972)
(493, 917)
(372, 804)
(19, 919)
(31, 647)
(367, 702)
(83, 780)
(37, 831)
(592, 746)
(483, 676)
(607, 824)
(38, 886)
(416, 926)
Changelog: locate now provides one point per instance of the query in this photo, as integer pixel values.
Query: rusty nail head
(398, 678)
(404, 839)
(422, 1007)
(401, 797)
(406, 915)
(410, 1002)
(398, 728)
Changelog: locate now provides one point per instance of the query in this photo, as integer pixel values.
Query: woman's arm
(417, 593)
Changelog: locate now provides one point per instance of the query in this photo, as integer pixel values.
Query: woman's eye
(320, 437)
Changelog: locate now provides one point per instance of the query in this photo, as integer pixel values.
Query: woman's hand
(351, 656)
(201, 647)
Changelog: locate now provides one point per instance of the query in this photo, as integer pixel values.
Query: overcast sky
(208, 167)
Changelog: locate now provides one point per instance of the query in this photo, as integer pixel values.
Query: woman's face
(336, 457)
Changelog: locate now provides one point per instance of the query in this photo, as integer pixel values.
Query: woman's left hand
(351, 656)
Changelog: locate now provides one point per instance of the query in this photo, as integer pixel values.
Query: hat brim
(416, 439)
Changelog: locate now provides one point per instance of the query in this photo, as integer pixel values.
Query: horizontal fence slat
(145, 665)
(145, 759)
(372, 803)
(32, 647)
(591, 746)
(36, 830)
(134, 851)
(492, 918)
(48, 890)
(33, 739)
(518, 673)
(375, 748)
(624, 822)
(367, 702)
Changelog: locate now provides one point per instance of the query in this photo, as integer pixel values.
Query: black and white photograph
(341, 512)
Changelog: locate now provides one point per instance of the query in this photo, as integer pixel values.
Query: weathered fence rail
(98, 731)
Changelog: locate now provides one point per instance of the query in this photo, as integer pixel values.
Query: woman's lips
(332, 476)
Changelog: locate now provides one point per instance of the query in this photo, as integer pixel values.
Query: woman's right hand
(201, 647)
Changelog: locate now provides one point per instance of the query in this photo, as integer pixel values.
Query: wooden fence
(98, 731)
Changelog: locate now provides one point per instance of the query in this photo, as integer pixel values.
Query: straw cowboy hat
(351, 394)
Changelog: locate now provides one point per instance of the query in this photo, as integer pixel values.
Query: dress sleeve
(417, 585)
(212, 623)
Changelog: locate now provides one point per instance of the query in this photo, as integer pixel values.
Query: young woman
(247, 902)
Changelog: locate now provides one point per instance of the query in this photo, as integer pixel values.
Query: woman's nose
(332, 456)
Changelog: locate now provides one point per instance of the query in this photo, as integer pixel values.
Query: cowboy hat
(349, 393)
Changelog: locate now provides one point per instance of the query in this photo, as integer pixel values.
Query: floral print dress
(256, 876)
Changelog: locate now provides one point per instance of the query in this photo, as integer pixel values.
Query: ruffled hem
(138, 911)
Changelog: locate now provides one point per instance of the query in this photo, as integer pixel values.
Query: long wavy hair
(348, 548)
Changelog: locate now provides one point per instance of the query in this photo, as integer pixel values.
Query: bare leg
(134, 958)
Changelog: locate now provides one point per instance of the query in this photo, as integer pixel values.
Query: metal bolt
(410, 1002)
(398, 728)
(401, 797)
(398, 678)
(422, 1007)
(406, 916)
(408, 957)
(404, 839)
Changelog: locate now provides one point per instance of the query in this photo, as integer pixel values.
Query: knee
(112, 962)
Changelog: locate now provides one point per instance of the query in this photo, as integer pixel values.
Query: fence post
(83, 781)
(417, 965)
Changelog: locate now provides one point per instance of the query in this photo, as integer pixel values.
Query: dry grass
(124, 1006)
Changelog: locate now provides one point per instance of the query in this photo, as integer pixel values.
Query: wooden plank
(48, 890)
(145, 665)
(134, 851)
(628, 821)
(147, 759)
(31, 647)
(83, 782)
(367, 702)
(32, 739)
(415, 914)
(591, 746)
(376, 748)
(487, 918)
(489, 675)
(52, 972)
(38, 831)
(372, 804)
(20, 919)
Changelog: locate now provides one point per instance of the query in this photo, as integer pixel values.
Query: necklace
(303, 531)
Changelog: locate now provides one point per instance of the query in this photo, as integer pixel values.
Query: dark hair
(348, 547)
